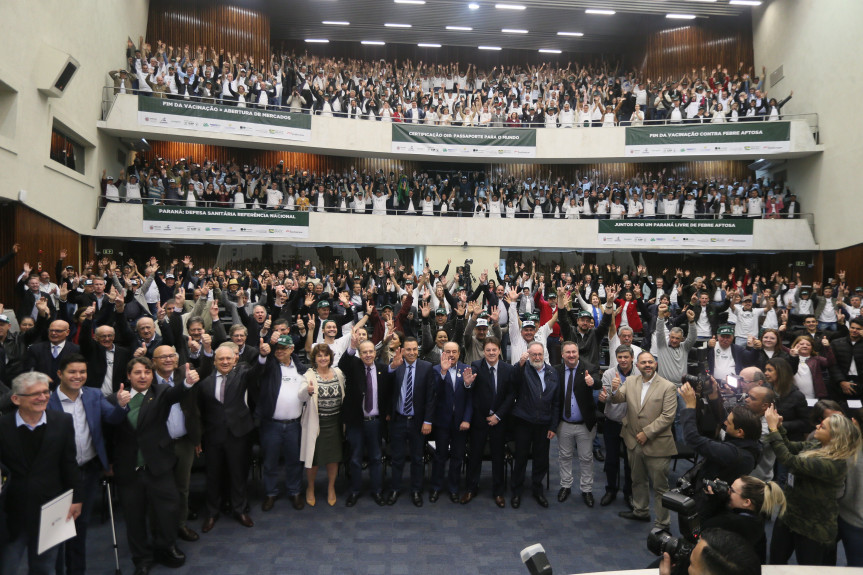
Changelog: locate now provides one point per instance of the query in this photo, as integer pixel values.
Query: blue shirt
(576, 416)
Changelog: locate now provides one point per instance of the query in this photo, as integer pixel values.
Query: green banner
(457, 141)
(182, 220)
(752, 138)
(685, 232)
(234, 120)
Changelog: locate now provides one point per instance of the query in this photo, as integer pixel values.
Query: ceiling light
(317, 41)
(746, 2)
(459, 28)
(410, 1)
(373, 43)
(473, 6)
(600, 12)
(509, 6)
(681, 16)
(549, 51)
(391, 25)
(335, 23)
(428, 45)
(705, 1)
(489, 47)
(513, 31)
(577, 34)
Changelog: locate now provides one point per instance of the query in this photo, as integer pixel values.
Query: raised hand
(141, 351)
(264, 348)
(123, 396)
(192, 376)
(588, 379)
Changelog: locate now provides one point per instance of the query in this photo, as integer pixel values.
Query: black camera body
(661, 541)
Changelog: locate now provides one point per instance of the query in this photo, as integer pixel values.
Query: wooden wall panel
(209, 23)
(676, 51)
(849, 260)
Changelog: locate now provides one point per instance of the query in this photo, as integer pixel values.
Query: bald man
(45, 356)
(106, 361)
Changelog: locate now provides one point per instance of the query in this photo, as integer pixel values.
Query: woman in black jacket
(790, 401)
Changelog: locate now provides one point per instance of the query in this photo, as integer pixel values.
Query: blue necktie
(409, 392)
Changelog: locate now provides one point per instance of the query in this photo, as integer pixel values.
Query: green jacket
(811, 495)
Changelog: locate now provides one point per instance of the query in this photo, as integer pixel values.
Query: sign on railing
(182, 220)
(692, 233)
(464, 141)
(760, 138)
(260, 122)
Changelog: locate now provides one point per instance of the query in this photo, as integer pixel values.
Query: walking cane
(107, 483)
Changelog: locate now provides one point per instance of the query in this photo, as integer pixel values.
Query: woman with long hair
(810, 525)
(768, 346)
(851, 505)
(790, 401)
(807, 365)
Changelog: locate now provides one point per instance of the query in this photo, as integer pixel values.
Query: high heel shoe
(331, 498)
(310, 497)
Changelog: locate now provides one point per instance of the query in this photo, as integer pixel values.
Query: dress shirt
(288, 405)
(176, 418)
(541, 374)
(56, 350)
(575, 414)
(84, 450)
(645, 387)
(108, 382)
(373, 373)
(19, 421)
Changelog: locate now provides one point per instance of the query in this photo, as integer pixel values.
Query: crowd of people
(155, 364)
(663, 194)
(457, 94)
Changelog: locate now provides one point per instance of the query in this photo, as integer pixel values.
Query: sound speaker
(58, 68)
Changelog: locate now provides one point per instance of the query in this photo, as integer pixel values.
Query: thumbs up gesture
(123, 396)
(264, 348)
(141, 351)
(268, 322)
(192, 376)
(615, 383)
(588, 379)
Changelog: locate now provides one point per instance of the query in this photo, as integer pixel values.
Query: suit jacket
(189, 405)
(98, 409)
(424, 391)
(655, 417)
(233, 416)
(454, 401)
(355, 388)
(844, 353)
(28, 300)
(485, 400)
(743, 357)
(38, 358)
(583, 393)
(52, 472)
(97, 362)
(271, 383)
(534, 405)
(150, 436)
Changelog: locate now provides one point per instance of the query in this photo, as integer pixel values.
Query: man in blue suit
(88, 408)
(411, 419)
(453, 413)
(536, 413)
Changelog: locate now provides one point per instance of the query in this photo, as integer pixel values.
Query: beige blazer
(655, 417)
(309, 420)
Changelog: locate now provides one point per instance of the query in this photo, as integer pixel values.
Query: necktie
(567, 406)
(134, 411)
(368, 403)
(493, 381)
(449, 381)
(409, 392)
(223, 383)
(55, 351)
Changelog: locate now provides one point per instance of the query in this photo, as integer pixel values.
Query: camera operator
(718, 552)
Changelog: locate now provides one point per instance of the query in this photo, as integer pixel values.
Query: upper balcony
(177, 120)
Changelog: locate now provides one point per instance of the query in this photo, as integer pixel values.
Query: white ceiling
(543, 19)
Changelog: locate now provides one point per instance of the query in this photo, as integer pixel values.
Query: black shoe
(634, 516)
(629, 503)
(433, 497)
(268, 503)
(563, 494)
(170, 557)
(453, 497)
(516, 501)
(379, 499)
(392, 498)
(417, 498)
(187, 534)
(588, 499)
(143, 569)
(540, 498)
(352, 499)
(599, 454)
(191, 516)
(608, 498)
(299, 501)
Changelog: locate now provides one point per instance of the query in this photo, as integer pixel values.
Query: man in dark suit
(228, 425)
(184, 427)
(88, 408)
(45, 356)
(493, 384)
(845, 382)
(536, 412)
(28, 287)
(144, 461)
(453, 412)
(145, 339)
(413, 402)
(366, 404)
(239, 335)
(577, 428)
(106, 361)
(37, 447)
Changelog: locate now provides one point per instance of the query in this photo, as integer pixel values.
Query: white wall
(815, 42)
(94, 33)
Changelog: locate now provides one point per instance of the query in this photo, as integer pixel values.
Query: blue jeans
(43, 564)
(368, 436)
(281, 439)
(852, 540)
(827, 325)
(406, 433)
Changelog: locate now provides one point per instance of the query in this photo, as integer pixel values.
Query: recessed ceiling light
(489, 47)
(335, 23)
(459, 28)
(410, 1)
(509, 6)
(577, 34)
(681, 16)
(392, 25)
(317, 41)
(746, 2)
(600, 12)
(549, 51)
(421, 45)
(473, 6)
(513, 31)
(373, 43)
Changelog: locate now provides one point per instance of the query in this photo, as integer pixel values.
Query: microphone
(535, 560)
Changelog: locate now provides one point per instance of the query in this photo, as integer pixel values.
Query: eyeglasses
(166, 356)
(45, 393)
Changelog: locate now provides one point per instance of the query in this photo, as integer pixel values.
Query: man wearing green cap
(724, 357)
